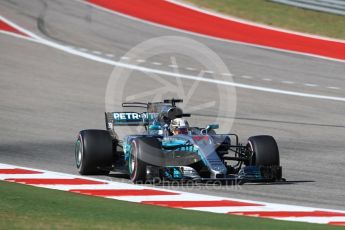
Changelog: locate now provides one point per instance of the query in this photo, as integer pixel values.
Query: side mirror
(212, 126)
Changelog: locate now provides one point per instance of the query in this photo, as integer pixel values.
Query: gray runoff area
(328, 6)
(47, 96)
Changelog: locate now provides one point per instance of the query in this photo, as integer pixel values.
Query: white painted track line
(172, 74)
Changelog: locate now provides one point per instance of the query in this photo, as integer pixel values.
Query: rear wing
(128, 119)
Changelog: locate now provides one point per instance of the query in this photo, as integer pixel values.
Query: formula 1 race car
(170, 149)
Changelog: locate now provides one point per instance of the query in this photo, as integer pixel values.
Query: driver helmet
(179, 126)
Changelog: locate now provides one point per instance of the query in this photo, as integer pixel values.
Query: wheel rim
(251, 153)
(78, 153)
(132, 163)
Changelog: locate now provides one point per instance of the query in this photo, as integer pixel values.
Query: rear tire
(264, 150)
(144, 151)
(94, 152)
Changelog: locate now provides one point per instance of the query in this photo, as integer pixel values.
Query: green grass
(280, 15)
(26, 207)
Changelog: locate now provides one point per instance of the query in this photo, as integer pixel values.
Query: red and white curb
(186, 18)
(167, 198)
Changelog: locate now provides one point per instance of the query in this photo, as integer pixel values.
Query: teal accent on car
(173, 173)
(172, 142)
(177, 173)
(155, 129)
(126, 150)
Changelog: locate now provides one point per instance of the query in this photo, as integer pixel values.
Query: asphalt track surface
(47, 96)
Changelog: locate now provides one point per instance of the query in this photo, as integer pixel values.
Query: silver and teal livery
(199, 155)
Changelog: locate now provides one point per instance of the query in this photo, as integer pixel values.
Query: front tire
(94, 152)
(264, 151)
(144, 151)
